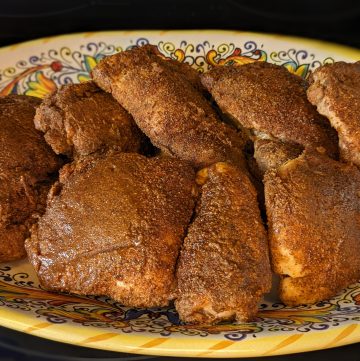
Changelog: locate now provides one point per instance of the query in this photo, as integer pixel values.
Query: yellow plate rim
(182, 346)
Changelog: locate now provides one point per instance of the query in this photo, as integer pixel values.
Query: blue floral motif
(19, 291)
(41, 73)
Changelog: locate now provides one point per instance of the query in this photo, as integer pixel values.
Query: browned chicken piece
(184, 69)
(313, 210)
(270, 103)
(167, 108)
(223, 269)
(117, 222)
(26, 166)
(272, 153)
(335, 90)
(80, 119)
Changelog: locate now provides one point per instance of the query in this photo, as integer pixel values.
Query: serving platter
(36, 68)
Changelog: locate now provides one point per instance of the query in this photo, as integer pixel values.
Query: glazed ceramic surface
(36, 68)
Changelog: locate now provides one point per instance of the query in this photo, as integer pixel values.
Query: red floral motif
(56, 66)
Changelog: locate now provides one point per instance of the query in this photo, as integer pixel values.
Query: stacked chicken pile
(156, 201)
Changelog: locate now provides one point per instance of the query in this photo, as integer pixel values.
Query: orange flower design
(234, 59)
(41, 86)
(357, 299)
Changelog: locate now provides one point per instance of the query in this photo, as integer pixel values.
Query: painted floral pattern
(41, 73)
(20, 291)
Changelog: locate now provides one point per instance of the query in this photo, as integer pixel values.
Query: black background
(337, 21)
(23, 20)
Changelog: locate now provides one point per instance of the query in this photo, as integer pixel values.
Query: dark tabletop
(23, 20)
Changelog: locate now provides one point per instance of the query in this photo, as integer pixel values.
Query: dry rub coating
(313, 210)
(270, 103)
(26, 165)
(223, 269)
(113, 226)
(167, 108)
(272, 153)
(184, 69)
(335, 90)
(79, 119)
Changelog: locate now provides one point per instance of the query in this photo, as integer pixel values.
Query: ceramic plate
(36, 68)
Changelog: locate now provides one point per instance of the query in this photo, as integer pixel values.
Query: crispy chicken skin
(113, 226)
(272, 153)
(223, 269)
(26, 164)
(270, 103)
(79, 119)
(335, 90)
(168, 108)
(313, 210)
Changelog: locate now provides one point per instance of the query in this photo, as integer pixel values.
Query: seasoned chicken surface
(313, 210)
(168, 108)
(270, 103)
(184, 69)
(113, 226)
(335, 90)
(223, 269)
(26, 167)
(80, 119)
